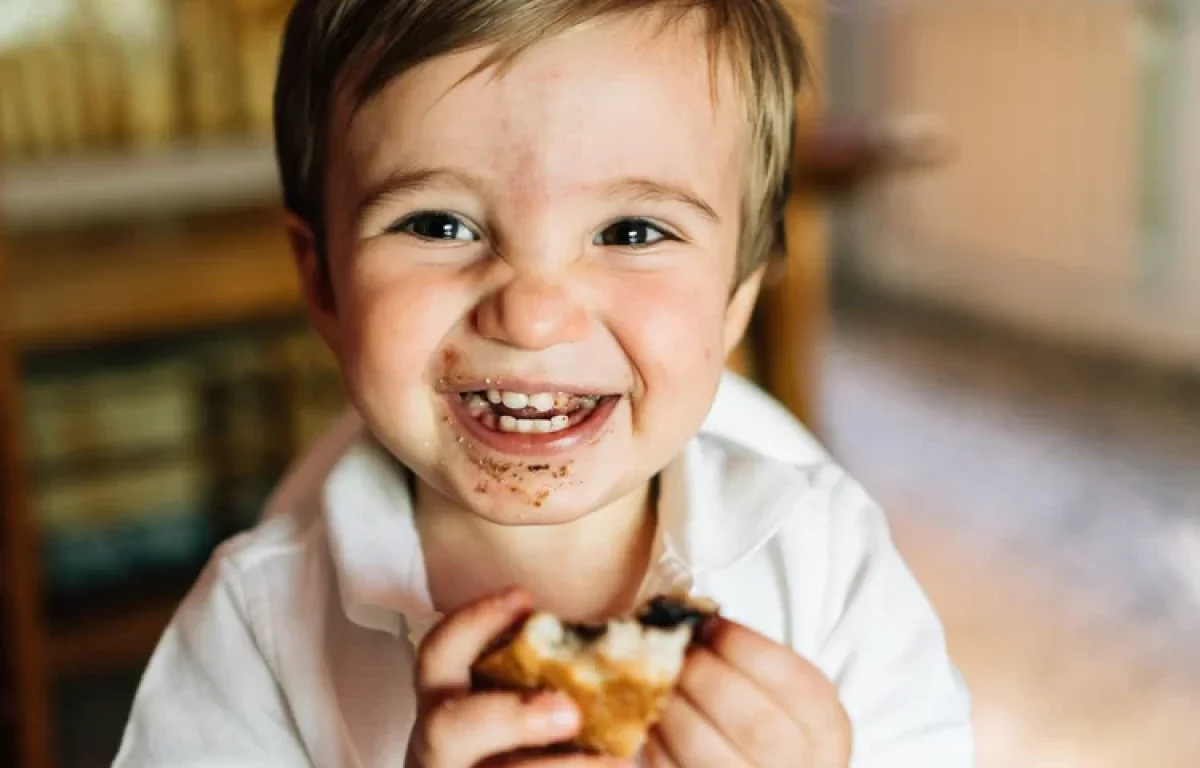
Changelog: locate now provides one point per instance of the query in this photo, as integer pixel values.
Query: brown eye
(436, 226)
(632, 233)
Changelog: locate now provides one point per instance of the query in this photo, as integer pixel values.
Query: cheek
(395, 327)
(672, 330)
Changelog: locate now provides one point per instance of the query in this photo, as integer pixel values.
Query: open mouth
(532, 422)
(541, 413)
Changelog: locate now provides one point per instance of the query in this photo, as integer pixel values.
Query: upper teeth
(515, 400)
(543, 402)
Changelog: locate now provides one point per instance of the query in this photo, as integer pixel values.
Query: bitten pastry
(620, 674)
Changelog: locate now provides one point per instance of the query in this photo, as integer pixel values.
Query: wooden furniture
(787, 335)
(94, 288)
(28, 696)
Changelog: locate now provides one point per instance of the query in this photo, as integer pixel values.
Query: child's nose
(532, 312)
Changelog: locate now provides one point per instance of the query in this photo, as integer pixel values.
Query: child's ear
(741, 308)
(314, 281)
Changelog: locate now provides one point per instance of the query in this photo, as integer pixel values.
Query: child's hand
(458, 729)
(746, 702)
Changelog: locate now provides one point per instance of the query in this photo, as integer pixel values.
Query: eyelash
(666, 234)
(403, 226)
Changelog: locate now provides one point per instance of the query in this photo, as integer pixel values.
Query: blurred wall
(1067, 209)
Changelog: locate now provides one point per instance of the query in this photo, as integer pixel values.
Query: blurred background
(991, 313)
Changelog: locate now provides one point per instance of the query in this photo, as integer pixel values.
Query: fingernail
(557, 713)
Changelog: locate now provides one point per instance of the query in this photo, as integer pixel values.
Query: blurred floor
(1051, 506)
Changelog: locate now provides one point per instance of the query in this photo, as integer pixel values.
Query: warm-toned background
(991, 313)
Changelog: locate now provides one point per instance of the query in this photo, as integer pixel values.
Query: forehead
(621, 97)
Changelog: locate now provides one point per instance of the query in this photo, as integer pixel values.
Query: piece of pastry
(620, 674)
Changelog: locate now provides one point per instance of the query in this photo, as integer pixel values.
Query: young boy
(531, 231)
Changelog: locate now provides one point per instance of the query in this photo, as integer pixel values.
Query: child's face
(564, 235)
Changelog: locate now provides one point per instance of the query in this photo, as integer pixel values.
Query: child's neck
(585, 570)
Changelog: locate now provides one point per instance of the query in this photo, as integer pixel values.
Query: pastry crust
(620, 674)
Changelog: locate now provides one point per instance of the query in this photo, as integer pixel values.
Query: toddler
(531, 231)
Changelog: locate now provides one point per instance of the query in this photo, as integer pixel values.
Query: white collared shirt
(296, 647)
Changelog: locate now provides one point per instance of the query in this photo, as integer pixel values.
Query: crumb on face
(526, 481)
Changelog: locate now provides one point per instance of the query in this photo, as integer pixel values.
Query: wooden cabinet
(84, 290)
(26, 698)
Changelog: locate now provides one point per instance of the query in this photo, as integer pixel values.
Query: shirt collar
(373, 540)
(722, 501)
(719, 502)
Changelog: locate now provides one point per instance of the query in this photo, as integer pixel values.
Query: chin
(552, 497)
(514, 514)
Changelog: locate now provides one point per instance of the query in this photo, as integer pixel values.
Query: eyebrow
(652, 190)
(408, 180)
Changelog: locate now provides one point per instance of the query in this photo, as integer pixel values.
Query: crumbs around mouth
(509, 475)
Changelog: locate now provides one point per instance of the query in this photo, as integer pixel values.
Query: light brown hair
(361, 45)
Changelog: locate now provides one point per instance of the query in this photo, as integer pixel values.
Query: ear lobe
(315, 282)
(741, 308)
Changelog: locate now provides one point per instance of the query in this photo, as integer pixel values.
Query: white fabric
(296, 646)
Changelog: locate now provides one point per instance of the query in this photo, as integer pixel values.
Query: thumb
(445, 658)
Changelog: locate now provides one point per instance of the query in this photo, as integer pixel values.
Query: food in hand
(620, 674)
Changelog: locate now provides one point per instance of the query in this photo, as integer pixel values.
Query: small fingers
(462, 732)
(562, 761)
(792, 682)
(755, 725)
(656, 754)
(445, 658)
(689, 738)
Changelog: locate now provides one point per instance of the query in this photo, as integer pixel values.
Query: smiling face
(531, 269)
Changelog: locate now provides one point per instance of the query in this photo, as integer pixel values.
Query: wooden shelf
(102, 285)
(214, 176)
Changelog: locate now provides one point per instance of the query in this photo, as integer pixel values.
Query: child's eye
(633, 233)
(435, 225)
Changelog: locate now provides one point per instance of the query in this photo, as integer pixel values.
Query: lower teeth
(478, 404)
(534, 426)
